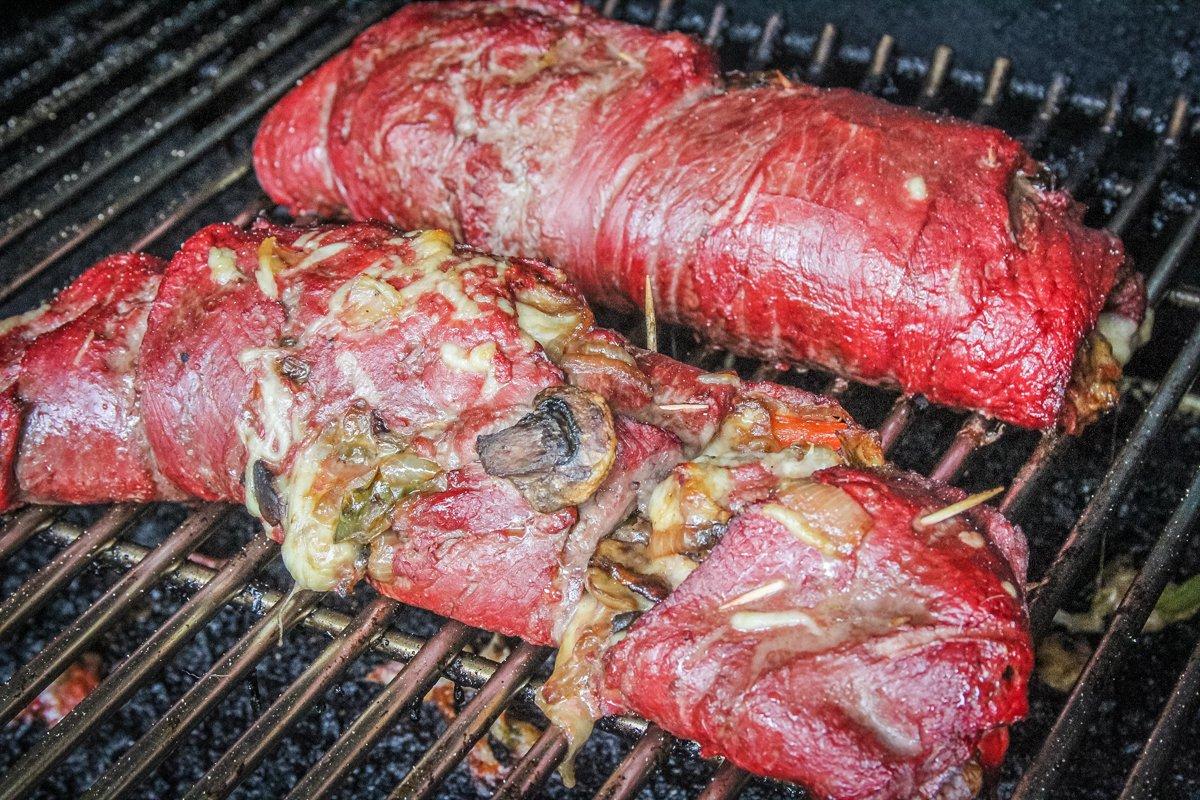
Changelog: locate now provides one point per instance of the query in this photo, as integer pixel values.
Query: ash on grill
(138, 132)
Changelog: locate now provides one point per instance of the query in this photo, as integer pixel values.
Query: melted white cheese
(357, 377)
(758, 621)
(363, 301)
(548, 330)
(915, 186)
(313, 559)
(1123, 334)
(321, 253)
(222, 266)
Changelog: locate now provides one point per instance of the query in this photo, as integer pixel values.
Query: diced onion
(820, 515)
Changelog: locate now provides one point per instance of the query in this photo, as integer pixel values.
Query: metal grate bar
(1185, 297)
(535, 766)
(471, 724)
(1043, 773)
(1056, 92)
(637, 766)
(261, 737)
(33, 74)
(59, 196)
(1080, 546)
(256, 206)
(727, 782)
(1114, 114)
(201, 143)
(974, 433)
(1160, 279)
(66, 94)
(124, 680)
(1165, 153)
(662, 17)
(895, 422)
(993, 91)
(202, 197)
(117, 107)
(166, 734)
(408, 686)
(18, 48)
(765, 47)
(715, 23)
(1160, 747)
(935, 78)
(97, 223)
(824, 53)
(22, 527)
(880, 66)
(32, 677)
(30, 596)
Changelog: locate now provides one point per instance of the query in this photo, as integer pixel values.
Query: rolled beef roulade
(779, 220)
(455, 429)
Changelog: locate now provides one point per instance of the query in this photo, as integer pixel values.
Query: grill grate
(75, 183)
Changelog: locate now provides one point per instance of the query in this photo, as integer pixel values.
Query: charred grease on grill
(557, 454)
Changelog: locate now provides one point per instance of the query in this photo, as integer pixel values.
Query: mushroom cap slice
(559, 453)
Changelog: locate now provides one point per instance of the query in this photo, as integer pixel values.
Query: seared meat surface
(831, 670)
(779, 220)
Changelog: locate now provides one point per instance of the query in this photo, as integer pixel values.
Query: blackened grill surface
(208, 183)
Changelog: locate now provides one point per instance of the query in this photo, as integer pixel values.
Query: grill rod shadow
(1065, 736)
(164, 736)
(50, 105)
(35, 591)
(38, 672)
(123, 681)
(59, 196)
(120, 105)
(260, 738)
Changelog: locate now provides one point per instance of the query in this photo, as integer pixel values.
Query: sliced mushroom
(270, 505)
(558, 454)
